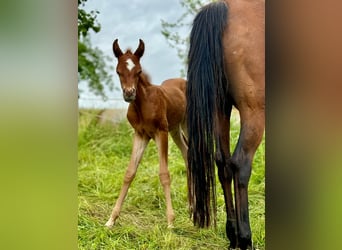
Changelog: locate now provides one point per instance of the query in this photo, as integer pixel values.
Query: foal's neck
(144, 82)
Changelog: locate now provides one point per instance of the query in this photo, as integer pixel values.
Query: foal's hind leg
(139, 144)
(161, 138)
(252, 128)
(225, 173)
(178, 137)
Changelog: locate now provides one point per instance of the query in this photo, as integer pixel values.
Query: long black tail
(205, 89)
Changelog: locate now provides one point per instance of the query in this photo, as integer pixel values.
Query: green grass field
(103, 154)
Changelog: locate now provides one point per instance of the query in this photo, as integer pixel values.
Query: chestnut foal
(153, 112)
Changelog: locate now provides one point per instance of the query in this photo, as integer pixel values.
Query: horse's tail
(205, 89)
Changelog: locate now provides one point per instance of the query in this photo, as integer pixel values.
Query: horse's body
(155, 107)
(154, 111)
(226, 69)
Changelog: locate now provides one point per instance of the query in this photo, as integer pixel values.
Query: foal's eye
(139, 72)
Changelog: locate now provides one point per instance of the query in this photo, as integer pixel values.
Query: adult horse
(153, 111)
(226, 69)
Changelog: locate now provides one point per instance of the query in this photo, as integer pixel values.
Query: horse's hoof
(109, 223)
(170, 226)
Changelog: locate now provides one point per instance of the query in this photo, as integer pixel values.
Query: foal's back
(174, 94)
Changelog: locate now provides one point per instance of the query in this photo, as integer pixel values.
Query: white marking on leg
(130, 64)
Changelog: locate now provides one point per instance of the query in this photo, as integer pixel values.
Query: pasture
(103, 154)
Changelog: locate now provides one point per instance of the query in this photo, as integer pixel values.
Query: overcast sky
(129, 20)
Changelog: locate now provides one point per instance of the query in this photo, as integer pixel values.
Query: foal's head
(129, 69)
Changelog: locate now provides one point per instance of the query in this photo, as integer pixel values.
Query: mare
(226, 68)
(153, 111)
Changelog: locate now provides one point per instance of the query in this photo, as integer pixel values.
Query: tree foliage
(92, 66)
(86, 21)
(171, 30)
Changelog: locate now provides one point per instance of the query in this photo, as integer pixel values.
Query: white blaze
(130, 64)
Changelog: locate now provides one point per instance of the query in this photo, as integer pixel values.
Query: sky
(129, 20)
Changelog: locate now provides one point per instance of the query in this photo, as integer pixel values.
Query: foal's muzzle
(129, 94)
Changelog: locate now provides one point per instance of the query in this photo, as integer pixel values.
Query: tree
(92, 66)
(171, 30)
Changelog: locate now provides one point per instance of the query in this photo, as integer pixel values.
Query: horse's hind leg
(161, 139)
(139, 144)
(252, 128)
(225, 174)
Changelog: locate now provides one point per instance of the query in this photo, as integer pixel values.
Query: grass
(104, 152)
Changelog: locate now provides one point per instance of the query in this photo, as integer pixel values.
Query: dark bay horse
(226, 69)
(153, 111)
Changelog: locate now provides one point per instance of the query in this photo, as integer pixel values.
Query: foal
(153, 111)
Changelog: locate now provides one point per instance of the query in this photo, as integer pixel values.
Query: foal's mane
(129, 51)
(145, 77)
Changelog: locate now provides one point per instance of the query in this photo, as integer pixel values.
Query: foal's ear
(116, 49)
(140, 50)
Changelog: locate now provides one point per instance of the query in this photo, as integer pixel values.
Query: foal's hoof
(109, 223)
(170, 226)
(170, 220)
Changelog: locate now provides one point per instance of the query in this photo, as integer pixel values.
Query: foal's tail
(205, 94)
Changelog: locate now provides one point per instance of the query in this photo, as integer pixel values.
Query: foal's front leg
(139, 144)
(164, 175)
